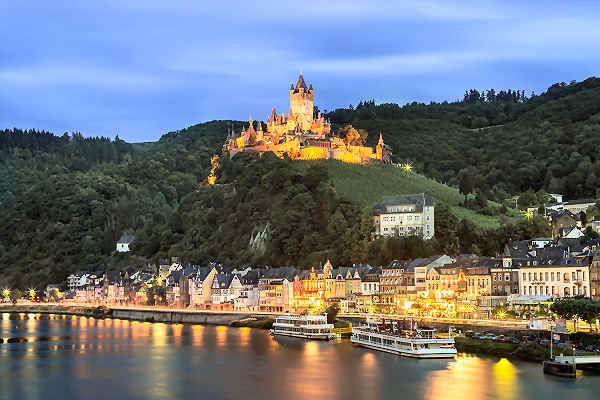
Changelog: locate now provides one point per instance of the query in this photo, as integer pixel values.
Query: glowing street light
(407, 167)
(6, 293)
(31, 293)
(528, 215)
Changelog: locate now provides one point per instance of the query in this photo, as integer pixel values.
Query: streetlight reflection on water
(468, 377)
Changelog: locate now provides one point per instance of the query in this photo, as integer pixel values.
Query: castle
(302, 134)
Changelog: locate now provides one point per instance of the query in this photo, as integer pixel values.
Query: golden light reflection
(221, 336)
(465, 378)
(505, 379)
(159, 334)
(177, 334)
(244, 336)
(369, 371)
(197, 335)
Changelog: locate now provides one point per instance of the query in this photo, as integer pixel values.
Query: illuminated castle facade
(301, 134)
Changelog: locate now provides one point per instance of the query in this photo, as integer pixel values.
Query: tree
(332, 312)
(481, 200)
(526, 200)
(466, 185)
(15, 295)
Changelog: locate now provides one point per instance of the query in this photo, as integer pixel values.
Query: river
(64, 357)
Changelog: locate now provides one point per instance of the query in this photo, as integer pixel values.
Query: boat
(312, 325)
(404, 339)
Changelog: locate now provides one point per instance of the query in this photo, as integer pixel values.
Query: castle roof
(301, 83)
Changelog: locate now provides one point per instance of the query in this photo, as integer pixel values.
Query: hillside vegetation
(67, 199)
(545, 142)
(366, 185)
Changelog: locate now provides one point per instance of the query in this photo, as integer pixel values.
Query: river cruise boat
(404, 338)
(313, 325)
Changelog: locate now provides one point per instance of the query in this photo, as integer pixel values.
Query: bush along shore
(526, 351)
(266, 323)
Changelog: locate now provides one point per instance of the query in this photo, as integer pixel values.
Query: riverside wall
(189, 317)
(141, 314)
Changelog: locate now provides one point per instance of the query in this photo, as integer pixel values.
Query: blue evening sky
(141, 68)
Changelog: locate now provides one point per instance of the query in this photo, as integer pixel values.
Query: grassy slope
(367, 184)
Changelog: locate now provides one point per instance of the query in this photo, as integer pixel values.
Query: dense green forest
(67, 199)
(509, 144)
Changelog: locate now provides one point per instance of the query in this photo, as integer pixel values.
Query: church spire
(380, 139)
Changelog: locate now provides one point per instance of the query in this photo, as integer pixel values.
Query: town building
(423, 265)
(595, 277)
(124, 242)
(405, 215)
(564, 279)
(302, 134)
(578, 206)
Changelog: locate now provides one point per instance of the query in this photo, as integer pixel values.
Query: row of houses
(523, 270)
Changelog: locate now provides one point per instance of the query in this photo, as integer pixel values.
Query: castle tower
(379, 148)
(301, 103)
(259, 132)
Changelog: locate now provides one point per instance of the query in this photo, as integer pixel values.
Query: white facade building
(554, 280)
(406, 215)
(123, 243)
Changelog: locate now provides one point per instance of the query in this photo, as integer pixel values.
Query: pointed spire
(292, 87)
(380, 138)
(310, 87)
(259, 125)
(301, 83)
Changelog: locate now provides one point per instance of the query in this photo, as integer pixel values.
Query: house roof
(418, 200)
(125, 239)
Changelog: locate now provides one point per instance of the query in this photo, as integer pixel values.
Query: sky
(142, 68)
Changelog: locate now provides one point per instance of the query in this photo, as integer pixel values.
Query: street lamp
(31, 292)
(6, 293)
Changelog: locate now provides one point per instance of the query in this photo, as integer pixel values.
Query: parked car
(500, 338)
(490, 336)
(580, 347)
(469, 334)
(513, 340)
(544, 342)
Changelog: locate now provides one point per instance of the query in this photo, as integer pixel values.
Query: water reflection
(58, 357)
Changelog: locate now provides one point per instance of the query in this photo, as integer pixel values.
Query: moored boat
(312, 325)
(398, 338)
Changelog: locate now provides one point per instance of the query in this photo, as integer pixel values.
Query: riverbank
(84, 311)
(527, 351)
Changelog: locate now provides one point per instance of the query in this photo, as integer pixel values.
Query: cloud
(66, 75)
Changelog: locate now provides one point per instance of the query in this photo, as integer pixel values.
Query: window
(552, 276)
(507, 277)
(524, 276)
(530, 276)
(546, 276)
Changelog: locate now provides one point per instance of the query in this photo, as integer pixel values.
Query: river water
(63, 357)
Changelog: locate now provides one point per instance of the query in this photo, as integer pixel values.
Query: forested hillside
(67, 199)
(509, 144)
